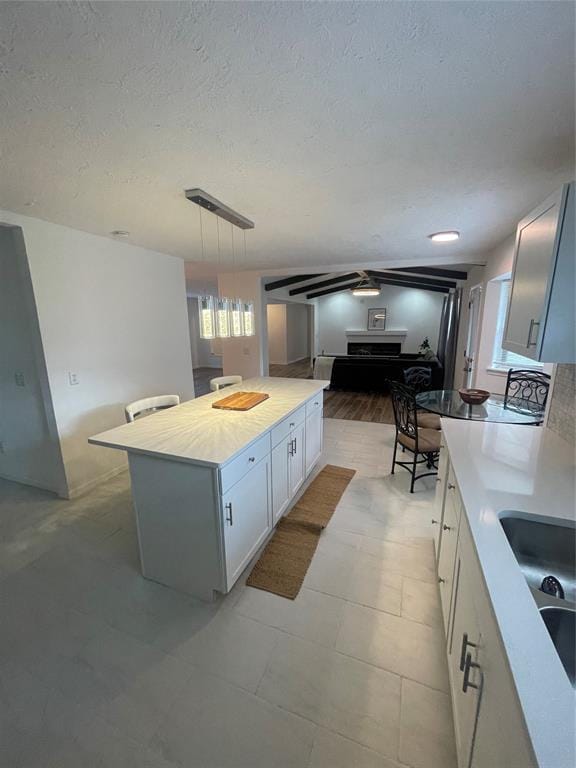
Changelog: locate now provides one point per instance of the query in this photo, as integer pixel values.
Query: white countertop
(197, 433)
(506, 467)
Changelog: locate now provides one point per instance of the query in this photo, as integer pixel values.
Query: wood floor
(358, 406)
(352, 406)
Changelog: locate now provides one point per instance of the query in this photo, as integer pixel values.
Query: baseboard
(33, 484)
(80, 490)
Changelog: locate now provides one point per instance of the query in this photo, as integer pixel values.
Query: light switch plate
(19, 379)
(73, 379)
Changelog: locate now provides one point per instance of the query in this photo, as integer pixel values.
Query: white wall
(277, 337)
(415, 310)
(297, 332)
(30, 450)
(202, 349)
(114, 315)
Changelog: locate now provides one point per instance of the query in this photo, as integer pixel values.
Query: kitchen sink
(544, 549)
(561, 625)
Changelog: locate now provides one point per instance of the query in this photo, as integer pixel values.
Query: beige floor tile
(216, 725)
(354, 699)
(333, 751)
(421, 602)
(427, 734)
(401, 558)
(311, 615)
(405, 647)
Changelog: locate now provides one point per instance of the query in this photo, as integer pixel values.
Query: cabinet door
(297, 458)
(280, 479)
(313, 439)
(448, 542)
(464, 639)
(438, 510)
(533, 261)
(246, 519)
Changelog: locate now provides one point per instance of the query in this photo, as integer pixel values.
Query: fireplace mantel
(399, 333)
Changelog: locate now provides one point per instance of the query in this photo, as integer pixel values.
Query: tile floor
(99, 667)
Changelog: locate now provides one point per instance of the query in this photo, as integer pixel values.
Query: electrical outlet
(19, 379)
(73, 379)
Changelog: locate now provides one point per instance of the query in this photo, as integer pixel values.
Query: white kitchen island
(209, 485)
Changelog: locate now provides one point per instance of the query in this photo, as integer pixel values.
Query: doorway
(290, 339)
(471, 350)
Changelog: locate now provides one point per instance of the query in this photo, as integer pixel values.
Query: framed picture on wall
(376, 319)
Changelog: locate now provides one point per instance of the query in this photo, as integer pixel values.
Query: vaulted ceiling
(347, 131)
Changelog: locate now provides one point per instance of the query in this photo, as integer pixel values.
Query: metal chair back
(528, 387)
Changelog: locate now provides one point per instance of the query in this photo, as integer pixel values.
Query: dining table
(449, 404)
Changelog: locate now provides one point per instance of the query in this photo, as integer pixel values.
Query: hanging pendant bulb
(206, 311)
(248, 313)
(236, 317)
(222, 318)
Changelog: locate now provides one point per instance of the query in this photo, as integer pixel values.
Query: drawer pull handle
(441, 580)
(434, 522)
(463, 649)
(252, 459)
(291, 423)
(446, 527)
(228, 508)
(451, 486)
(531, 343)
(468, 665)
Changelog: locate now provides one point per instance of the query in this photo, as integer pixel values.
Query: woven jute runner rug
(284, 562)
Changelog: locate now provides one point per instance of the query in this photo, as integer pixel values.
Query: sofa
(371, 373)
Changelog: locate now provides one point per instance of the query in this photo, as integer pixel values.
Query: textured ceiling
(347, 131)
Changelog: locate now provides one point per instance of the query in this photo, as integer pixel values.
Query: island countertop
(505, 469)
(197, 433)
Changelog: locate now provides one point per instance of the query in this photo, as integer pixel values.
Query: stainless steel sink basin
(561, 624)
(544, 549)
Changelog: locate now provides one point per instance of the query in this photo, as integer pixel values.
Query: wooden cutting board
(241, 401)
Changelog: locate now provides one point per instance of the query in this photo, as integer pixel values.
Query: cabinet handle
(441, 580)
(291, 424)
(434, 522)
(438, 480)
(451, 486)
(252, 459)
(468, 665)
(531, 343)
(446, 527)
(295, 447)
(465, 644)
(228, 508)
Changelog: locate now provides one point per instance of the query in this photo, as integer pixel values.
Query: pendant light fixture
(222, 304)
(206, 303)
(366, 287)
(236, 313)
(248, 309)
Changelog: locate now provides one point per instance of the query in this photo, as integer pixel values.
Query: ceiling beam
(325, 283)
(414, 279)
(290, 281)
(420, 286)
(345, 287)
(454, 274)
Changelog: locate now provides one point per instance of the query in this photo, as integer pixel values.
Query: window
(502, 359)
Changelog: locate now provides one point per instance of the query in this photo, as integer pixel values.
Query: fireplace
(374, 348)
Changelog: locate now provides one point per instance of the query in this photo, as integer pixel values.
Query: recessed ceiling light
(120, 233)
(444, 237)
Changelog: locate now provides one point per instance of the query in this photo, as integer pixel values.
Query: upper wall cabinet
(541, 319)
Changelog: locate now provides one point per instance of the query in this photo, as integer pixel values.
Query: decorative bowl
(474, 396)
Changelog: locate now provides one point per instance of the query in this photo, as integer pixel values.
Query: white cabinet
(448, 543)
(246, 516)
(280, 479)
(297, 456)
(313, 438)
(540, 319)
(438, 511)
(488, 720)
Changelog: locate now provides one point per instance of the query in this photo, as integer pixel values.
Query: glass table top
(447, 402)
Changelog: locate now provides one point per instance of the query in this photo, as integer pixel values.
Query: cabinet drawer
(282, 430)
(315, 404)
(243, 463)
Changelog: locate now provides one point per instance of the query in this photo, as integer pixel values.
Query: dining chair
(224, 381)
(148, 405)
(527, 387)
(422, 442)
(419, 378)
